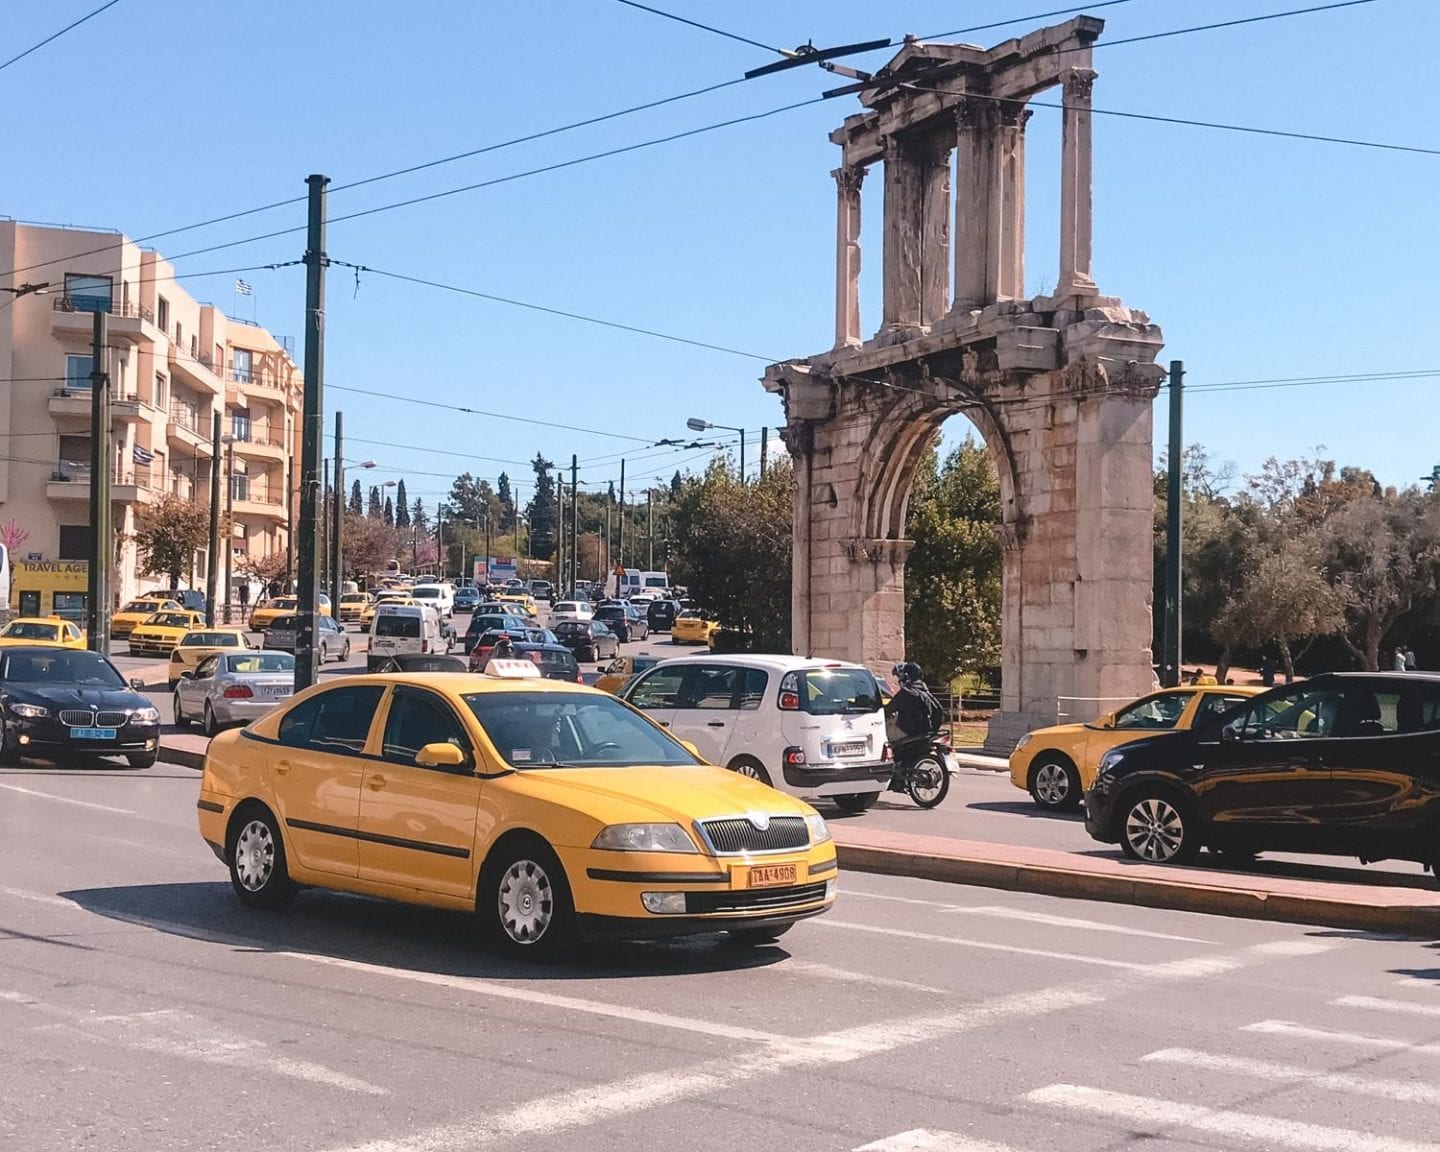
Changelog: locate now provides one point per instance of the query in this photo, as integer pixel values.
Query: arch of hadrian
(1060, 387)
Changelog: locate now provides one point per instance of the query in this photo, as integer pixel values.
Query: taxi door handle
(283, 766)
(375, 783)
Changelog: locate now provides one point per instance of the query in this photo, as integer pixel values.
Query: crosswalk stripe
(1302, 1032)
(1381, 1005)
(1408, 1091)
(985, 946)
(1292, 948)
(929, 1140)
(1153, 1116)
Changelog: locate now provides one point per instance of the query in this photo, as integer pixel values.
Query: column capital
(971, 113)
(1012, 114)
(1080, 83)
(849, 177)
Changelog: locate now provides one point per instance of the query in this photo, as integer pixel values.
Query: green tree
(953, 575)
(356, 500)
(168, 533)
(419, 518)
(506, 497)
(376, 509)
(541, 510)
(389, 514)
(402, 506)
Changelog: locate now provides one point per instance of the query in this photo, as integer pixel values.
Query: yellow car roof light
(512, 670)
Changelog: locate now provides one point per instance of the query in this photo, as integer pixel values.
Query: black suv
(625, 620)
(661, 615)
(1345, 764)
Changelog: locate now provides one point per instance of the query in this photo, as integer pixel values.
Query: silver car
(330, 638)
(233, 688)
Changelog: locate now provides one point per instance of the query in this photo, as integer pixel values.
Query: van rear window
(838, 691)
(405, 626)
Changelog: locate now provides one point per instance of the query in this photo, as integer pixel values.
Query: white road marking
(1196, 968)
(929, 1140)
(1428, 983)
(1375, 1003)
(1153, 1117)
(985, 946)
(170, 1032)
(67, 800)
(1302, 1032)
(794, 967)
(1292, 948)
(1406, 1091)
(38, 898)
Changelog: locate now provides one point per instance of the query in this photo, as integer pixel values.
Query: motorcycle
(922, 770)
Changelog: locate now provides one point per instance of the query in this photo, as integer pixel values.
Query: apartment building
(174, 363)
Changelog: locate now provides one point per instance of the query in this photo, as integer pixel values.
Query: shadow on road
(1025, 808)
(1280, 869)
(403, 936)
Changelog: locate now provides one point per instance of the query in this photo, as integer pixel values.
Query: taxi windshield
(24, 631)
(571, 730)
(169, 620)
(211, 640)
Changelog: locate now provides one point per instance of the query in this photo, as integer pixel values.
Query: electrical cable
(702, 27)
(57, 35)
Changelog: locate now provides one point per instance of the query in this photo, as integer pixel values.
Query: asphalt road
(143, 1010)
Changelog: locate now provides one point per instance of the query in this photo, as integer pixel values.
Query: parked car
(590, 640)
(1345, 763)
(330, 638)
(52, 631)
(661, 615)
(190, 598)
(625, 620)
(570, 610)
(809, 727)
(1057, 764)
(233, 688)
(63, 704)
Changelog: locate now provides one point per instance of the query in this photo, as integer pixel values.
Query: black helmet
(907, 672)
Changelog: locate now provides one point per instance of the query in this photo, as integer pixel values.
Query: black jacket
(915, 710)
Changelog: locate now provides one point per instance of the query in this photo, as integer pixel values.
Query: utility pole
(742, 456)
(337, 518)
(439, 541)
(212, 568)
(574, 523)
(98, 609)
(488, 547)
(620, 551)
(322, 514)
(650, 529)
(559, 532)
(1170, 660)
(229, 523)
(310, 430)
(289, 524)
(764, 450)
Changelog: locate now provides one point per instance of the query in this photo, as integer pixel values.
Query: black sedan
(661, 615)
(1344, 764)
(590, 640)
(625, 620)
(60, 704)
(421, 662)
(555, 661)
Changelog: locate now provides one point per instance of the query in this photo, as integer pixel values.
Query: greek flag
(143, 455)
(242, 288)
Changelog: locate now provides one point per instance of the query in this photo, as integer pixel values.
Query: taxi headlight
(146, 715)
(1024, 740)
(644, 838)
(29, 711)
(819, 830)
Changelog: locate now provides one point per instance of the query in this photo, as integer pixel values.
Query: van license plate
(847, 748)
(770, 876)
(93, 733)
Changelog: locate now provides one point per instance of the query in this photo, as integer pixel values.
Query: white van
(403, 629)
(657, 582)
(812, 728)
(439, 596)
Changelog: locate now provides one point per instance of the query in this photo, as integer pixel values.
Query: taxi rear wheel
(256, 854)
(526, 909)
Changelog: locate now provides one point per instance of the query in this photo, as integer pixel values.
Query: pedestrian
(1410, 663)
(1267, 672)
(243, 592)
(1399, 663)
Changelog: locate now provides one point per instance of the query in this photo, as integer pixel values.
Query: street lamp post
(697, 425)
(229, 442)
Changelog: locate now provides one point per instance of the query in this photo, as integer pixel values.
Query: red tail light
(238, 692)
(794, 756)
(535, 658)
(888, 754)
(789, 701)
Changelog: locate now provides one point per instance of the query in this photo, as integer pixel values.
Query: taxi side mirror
(440, 755)
(694, 751)
(1105, 721)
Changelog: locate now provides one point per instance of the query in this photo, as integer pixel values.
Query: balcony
(186, 428)
(72, 406)
(199, 371)
(260, 504)
(71, 481)
(261, 444)
(74, 316)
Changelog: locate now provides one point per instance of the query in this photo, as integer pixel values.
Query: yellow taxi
(1056, 765)
(352, 604)
(264, 613)
(196, 645)
(555, 812)
(524, 599)
(47, 631)
(162, 631)
(622, 668)
(693, 627)
(368, 613)
(137, 612)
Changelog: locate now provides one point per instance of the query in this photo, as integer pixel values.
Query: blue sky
(1261, 258)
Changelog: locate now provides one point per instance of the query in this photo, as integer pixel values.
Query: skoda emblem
(758, 820)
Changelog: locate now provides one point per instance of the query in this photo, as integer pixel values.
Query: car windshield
(571, 730)
(169, 620)
(24, 631)
(837, 691)
(284, 624)
(63, 666)
(426, 593)
(261, 662)
(571, 628)
(1158, 712)
(211, 640)
(397, 626)
(143, 605)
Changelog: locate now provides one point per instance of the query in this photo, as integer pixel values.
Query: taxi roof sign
(512, 669)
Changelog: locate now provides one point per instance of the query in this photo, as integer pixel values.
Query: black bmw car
(61, 703)
(1345, 763)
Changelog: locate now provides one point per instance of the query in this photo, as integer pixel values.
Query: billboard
(497, 571)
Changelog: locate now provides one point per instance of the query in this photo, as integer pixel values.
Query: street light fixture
(29, 290)
(695, 424)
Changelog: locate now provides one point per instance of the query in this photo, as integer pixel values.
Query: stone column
(1075, 187)
(1010, 144)
(935, 229)
(973, 141)
(847, 255)
(904, 212)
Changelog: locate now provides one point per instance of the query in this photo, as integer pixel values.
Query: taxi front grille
(753, 900)
(733, 835)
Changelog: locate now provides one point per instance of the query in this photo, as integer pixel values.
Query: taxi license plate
(93, 733)
(847, 748)
(770, 876)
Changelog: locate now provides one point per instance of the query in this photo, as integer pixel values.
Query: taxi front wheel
(525, 906)
(258, 871)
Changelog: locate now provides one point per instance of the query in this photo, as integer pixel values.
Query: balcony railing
(260, 436)
(78, 472)
(186, 418)
(94, 304)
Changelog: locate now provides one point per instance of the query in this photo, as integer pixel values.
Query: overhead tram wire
(703, 27)
(56, 35)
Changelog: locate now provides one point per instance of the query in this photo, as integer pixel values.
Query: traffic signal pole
(310, 432)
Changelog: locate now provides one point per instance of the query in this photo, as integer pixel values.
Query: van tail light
(238, 692)
(888, 754)
(794, 756)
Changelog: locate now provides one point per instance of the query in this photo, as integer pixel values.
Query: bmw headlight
(644, 838)
(819, 830)
(29, 711)
(146, 715)
(1110, 759)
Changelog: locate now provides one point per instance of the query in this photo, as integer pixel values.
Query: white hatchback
(812, 728)
(570, 610)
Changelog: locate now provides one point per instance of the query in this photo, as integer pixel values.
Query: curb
(181, 756)
(1145, 892)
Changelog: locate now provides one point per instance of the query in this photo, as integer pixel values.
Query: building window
(162, 312)
(89, 293)
(240, 487)
(240, 425)
(162, 390)
(241, 364)
(179, 335)
(76, 540)
(77, 373)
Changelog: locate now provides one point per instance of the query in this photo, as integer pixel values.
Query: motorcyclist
(913, 717)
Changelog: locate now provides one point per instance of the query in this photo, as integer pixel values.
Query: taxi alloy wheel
(1055, 785)
(529, 898)
(1158, 829)
(258, 871)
